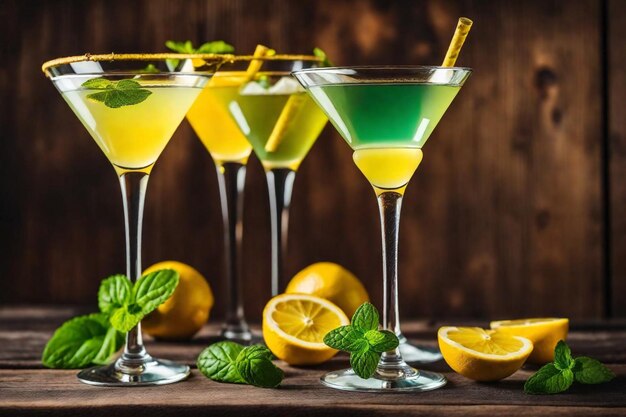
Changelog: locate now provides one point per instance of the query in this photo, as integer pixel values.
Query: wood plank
(25, 331)
(28, 390)
(503, 219)
(333, 410)
(56, 389)
(616, 90)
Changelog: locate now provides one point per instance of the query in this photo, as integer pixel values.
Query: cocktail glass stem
(231, 178)
(392, 372)
(133, 185)
(280, 184)
(389, 204)
(135, 366)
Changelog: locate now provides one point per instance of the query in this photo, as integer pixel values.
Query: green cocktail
(257, 113)
(385, 115)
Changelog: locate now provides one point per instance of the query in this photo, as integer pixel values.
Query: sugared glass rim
(214, 58)
(277, 57)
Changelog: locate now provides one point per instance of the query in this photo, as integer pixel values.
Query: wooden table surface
(26, 388)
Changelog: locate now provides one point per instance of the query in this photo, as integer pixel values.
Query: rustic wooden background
(517, 209)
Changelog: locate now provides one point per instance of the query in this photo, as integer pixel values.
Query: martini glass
(132, 122)
(282, 123)
(386, 114)
(230, 149)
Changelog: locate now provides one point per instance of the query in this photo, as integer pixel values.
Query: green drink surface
(257, 116)
(385, 115)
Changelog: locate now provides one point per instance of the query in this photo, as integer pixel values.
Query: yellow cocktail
(133, 137)
(215, 126)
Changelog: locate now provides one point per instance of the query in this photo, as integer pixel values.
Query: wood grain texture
(504, 217)
(26, 389)
(616, 83)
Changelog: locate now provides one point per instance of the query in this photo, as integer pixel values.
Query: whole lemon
(330, 281)
(186, 311)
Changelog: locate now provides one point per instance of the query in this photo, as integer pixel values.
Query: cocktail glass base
(150, 372)
(237, 335)
(402, 380)
(414, 354)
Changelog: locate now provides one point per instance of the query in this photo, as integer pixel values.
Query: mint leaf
(549, 380)
(215, 47)
(113, 341)
(256, 368)
(346, 338)
(177, 46)
(382, 341)
(318, 52)
(563, 356)
(374, 336)
(114, 293)
(151, 290)
(150, 69)
(114, 98)
(116, 94)
(218, 362)
(365, 317)
(126, 317)
(364, 362)
(77, 342)
(97, 83)
(590, 371)
(127, 84)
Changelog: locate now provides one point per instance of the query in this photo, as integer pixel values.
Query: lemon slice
(545, 333)
(294, 326)
(483, 355)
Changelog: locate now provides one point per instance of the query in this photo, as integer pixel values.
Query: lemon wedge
(483, 355)
(294, 326)
(545, 333)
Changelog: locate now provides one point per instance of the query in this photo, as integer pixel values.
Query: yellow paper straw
(462, 29)
(222, 78)
(255, 64)
(293, 105)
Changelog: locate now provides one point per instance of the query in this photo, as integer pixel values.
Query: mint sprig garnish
(233, 363)
(213, 47)
(116, 94)
(558, 376)
(94, 339)
(186, 47)
(147, 294)
(318, 52)
(362, 339)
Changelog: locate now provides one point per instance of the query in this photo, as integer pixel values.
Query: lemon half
(545, 333)
(483, 355)
(294, 326)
